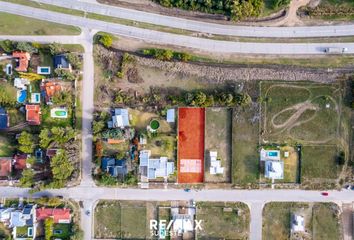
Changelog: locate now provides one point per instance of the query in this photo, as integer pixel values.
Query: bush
(7, 46)
(56, 48)
(105, 39)
(26, 47)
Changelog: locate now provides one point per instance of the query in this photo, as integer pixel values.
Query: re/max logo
(162, 224)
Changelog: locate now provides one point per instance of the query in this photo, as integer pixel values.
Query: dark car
(324, 193)
(187, 189)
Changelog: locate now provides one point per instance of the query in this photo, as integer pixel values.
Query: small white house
(120, 118)
(297, 223)
(215, 165)
(170, 116)
(274, 169)
(21, 83)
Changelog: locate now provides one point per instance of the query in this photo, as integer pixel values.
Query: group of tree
(166, 54)
(117, 133)
(62, 98)
(26, 142)
(204, 99)
(59, 135)
(234, 9)
(62, 168)
(65, 74)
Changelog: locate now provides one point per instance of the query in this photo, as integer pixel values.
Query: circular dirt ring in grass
(154, 124)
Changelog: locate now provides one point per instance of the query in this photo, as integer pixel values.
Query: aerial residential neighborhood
(151, 119)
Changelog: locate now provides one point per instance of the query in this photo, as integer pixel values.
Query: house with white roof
(215, 164)
(297, 223)
(120, 118)
(152, 168)
(170, 115)
(23, 223)
(274, 169)
(21, 83)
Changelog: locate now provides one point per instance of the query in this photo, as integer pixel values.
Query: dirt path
(291, 18)
(300, 109)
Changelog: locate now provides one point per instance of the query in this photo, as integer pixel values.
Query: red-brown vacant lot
(191, 145)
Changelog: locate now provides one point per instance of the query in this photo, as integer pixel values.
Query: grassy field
(6, 147)
(107, 220)
(306, 113)
(18, 25)
(121, 219)
(321, 220)
(290, 164)
(319, 162)
(325, 222)
(245, 157)
(218, 138)
(223, 220)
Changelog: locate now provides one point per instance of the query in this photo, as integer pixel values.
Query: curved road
(205, 27)
(174, 39)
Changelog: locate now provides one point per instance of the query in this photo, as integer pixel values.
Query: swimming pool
(59, 113)
(273, 154)
(43, 70)
(21, 96)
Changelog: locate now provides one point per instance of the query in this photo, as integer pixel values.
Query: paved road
(211, 28)
(173, 39)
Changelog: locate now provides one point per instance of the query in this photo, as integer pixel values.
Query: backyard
(223, 220)
(6, 147)
(218, 124)
(321, 220)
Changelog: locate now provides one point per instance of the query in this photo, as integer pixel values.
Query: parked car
(324, 193)
(187, 189)
(87, 212)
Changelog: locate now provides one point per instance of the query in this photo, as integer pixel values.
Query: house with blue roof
(4, 119)
(153, 168)
(114, 167)
(60, 61)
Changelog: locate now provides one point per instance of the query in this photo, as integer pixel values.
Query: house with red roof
(20, 161)
(50, 88)
(22, 60)
(33, 114)
(5, 167)
(59, 215)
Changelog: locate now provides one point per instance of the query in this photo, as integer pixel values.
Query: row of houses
(25, 221)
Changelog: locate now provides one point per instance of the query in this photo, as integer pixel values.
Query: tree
(243, 99)
(31, 160)
(48, 228)
(56, 48)
(31, 76)
(74, 60)
(7, 95)
(199, 99)
(62, 135)
(7, 46)
(98, 126)
(107, 179)
(26, 47)
(26, 142)
(45, 138)
(65, 74)
(78, 234)
(62, 98)
(106, 40)
(27, 179)
(61, 167)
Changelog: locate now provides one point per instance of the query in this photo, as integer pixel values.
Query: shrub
(106, 40)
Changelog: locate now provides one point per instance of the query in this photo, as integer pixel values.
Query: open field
(18, 25)
(245, 157)
(223, 220)
(107, 220)
(305, 113)
(321, 220)
(291, 164)
(134, 220)
(191, 143)
(218, 122)
(319, 162)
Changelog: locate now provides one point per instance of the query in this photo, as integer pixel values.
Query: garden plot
(218, 138)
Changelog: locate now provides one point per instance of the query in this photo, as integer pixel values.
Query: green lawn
(218, 134)
(65, 231)
(18, 25)
(133, 221)
(319, 162)
(245, 157)
(223, 220)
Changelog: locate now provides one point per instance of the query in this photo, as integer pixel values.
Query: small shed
(171, 116)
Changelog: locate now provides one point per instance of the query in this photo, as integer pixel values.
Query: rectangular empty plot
(191, 145)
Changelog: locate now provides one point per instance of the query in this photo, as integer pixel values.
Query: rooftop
(23, 59)
(59, 215)
(33, 114)
(4, 119)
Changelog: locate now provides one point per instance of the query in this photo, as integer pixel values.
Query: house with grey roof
(153, 168)
(120, 118)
